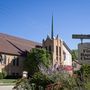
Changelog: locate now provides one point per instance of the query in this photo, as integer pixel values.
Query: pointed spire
(48, 37)
(52, 28)
(43, 40)
(57, 36)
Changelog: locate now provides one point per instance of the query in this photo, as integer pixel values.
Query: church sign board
(80, 36)
(84, 52)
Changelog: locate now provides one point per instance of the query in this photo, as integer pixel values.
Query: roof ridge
(14, 45)
(16, 37)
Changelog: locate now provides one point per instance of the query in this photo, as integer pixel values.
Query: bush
(85, 70)
(23, 84)
(40, 79)
(4, 73)
(12, 77)
(1, 75)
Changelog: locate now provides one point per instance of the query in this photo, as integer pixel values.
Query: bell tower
(54, 46)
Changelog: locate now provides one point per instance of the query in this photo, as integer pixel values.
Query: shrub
(1, 75)
(22, 84)
(12, 77)
(40, 79)
(4, 73)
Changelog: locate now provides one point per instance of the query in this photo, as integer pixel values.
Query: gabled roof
(15, 45)
(66, 47)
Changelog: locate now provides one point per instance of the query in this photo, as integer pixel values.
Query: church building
(12, 50)
(61, 54)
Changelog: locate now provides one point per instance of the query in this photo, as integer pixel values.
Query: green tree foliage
(1, 75)
(85, 70)
(74, 54)
(64, 79)
(83, 79)
(22, 84)
(40, 79)
(35, 58)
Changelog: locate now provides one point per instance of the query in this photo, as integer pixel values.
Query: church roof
(15, 45)
(66, 47)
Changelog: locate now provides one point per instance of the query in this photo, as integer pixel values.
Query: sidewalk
(6, 87)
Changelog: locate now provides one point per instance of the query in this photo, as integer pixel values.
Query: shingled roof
(15, 45)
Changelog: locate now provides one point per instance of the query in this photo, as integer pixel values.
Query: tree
(74, 54)
(36, 58)
(85, 70)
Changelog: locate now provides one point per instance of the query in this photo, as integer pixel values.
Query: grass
(7, 81)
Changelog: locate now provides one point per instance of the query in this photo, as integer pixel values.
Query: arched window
(64, 55)
(0, 58)
(3, 59)
(16, 61)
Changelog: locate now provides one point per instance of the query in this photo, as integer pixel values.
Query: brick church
(12, 49)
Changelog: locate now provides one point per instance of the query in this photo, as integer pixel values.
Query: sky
(31, 19)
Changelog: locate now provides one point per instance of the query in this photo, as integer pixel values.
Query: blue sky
(31, 19)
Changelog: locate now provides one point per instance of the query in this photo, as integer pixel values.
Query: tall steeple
(52, 28)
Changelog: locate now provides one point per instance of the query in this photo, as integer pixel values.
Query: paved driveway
(6, 87)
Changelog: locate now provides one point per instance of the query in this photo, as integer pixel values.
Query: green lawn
(7, 81)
